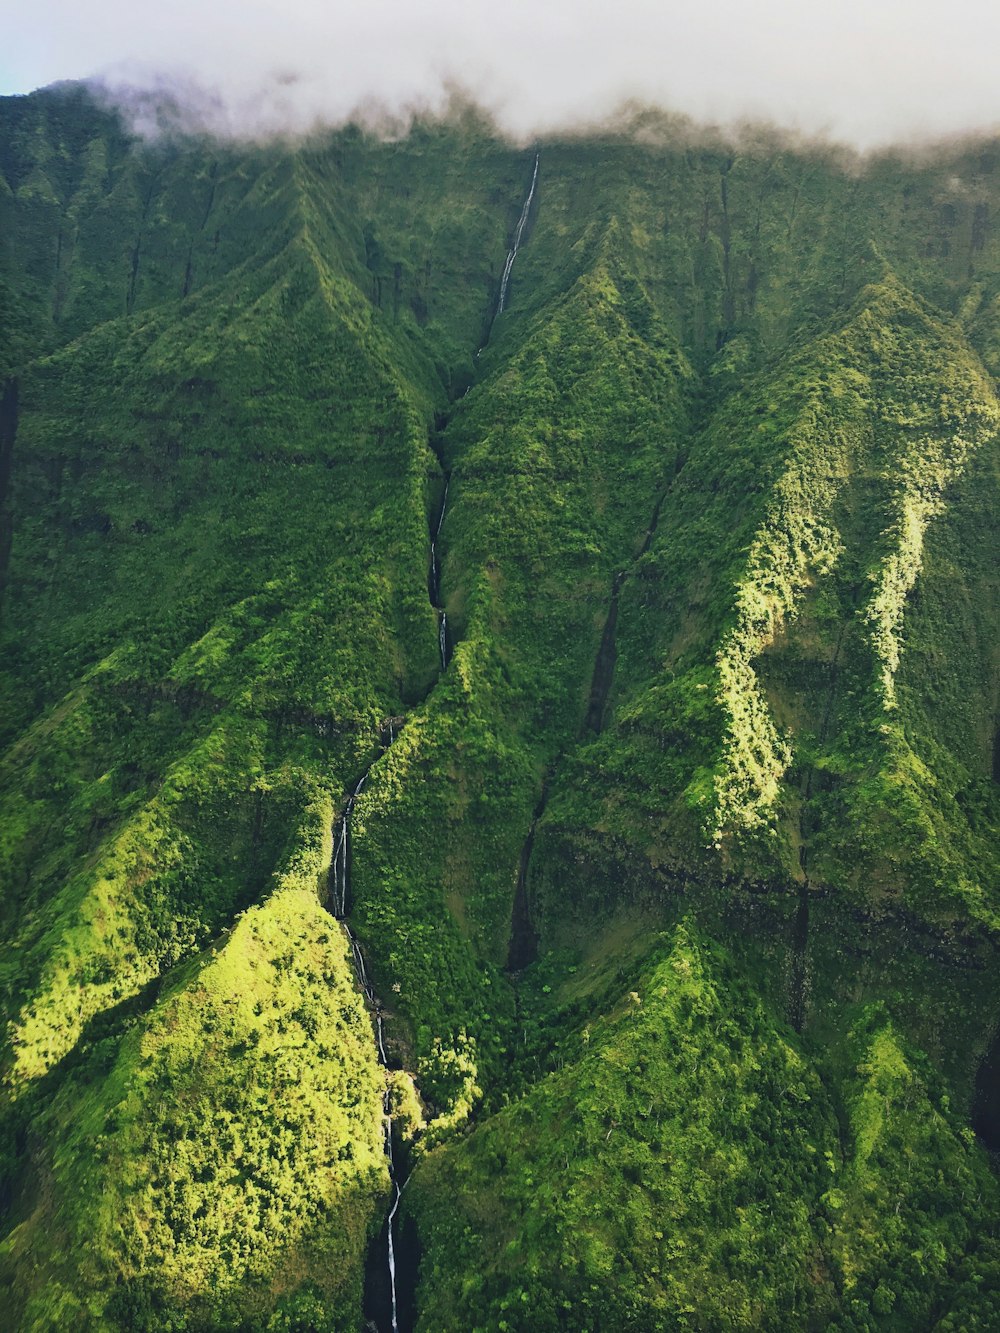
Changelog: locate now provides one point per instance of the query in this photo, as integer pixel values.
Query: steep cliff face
(674, 871)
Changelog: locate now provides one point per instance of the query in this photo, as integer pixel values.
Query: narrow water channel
(434, 577)
(381, 1299)
(512, 253)
(384, 1309)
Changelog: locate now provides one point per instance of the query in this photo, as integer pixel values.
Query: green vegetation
(233, 1138)
(662, 1178)
(712, 759)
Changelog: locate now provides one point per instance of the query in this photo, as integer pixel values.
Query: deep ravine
(604, 664)
(523, 947)
(339, 901)
(800, 930)
(383, 1310)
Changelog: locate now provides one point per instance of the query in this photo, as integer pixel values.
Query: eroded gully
(800, 933)
(523, 946)
(383, 1310)
(8, 431)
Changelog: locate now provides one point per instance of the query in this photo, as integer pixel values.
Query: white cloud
(867, 72)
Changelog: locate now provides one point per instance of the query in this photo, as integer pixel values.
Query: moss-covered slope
(675, 874)
(686, 1168)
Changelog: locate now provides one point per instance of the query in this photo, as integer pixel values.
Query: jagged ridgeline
(541, 759)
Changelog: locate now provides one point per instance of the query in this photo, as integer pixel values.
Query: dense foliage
(676, 875)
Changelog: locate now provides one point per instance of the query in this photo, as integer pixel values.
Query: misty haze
(859, 72)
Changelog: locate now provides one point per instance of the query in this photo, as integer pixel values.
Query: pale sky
(867, 71)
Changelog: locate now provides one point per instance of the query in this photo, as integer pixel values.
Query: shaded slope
(555, 462)
(796, 529)
(685, 1133)
(199, 582)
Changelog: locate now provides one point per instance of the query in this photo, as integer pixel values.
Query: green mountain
(500, 649)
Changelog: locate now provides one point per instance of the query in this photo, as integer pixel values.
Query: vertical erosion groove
(607, 653)
(209, 205)
(8, 432)
(800, 932)
(604, 665)
(383, 1309)
(137, 248)
(523, 948)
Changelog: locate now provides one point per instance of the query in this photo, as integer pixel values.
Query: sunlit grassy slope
(679, 881)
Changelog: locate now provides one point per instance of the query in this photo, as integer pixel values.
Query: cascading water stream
(522, 222)
(340, 863)
(341, 852)
(341, 903)
(341, 899)
(512, 254)
(397, 1195)
(435, 567)
(434, 581)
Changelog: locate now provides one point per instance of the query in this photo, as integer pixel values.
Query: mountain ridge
(656, 612)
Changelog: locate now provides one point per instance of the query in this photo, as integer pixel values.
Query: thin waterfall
(512, 255)
(362, 971)
(340, 868)
(434, 582)
(341, 853)
(383, 1059)
(340, 864)
(397, 1195)
(522, 222)
(340, 875)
